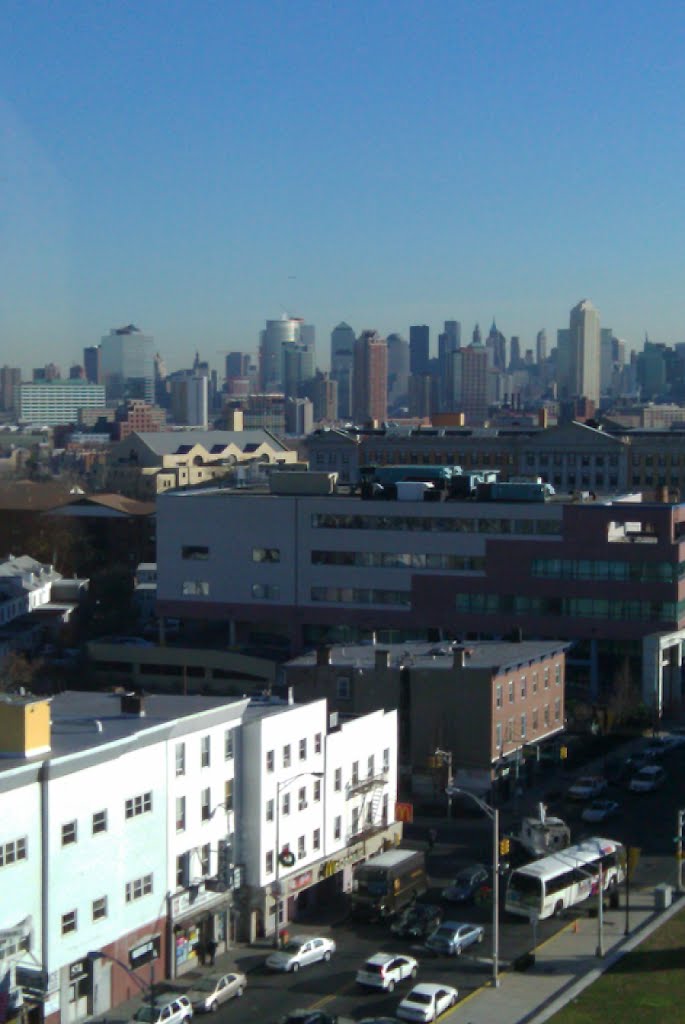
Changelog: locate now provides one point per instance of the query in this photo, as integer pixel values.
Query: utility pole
(679, 851)
(444, 758)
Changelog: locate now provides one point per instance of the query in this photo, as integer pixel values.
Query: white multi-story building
(127, 363)
(57, 402)
(142, 827)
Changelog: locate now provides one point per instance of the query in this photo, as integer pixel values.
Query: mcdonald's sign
(404, 812)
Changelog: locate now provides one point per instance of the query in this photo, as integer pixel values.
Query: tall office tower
(470, 383)
(237, 364)
(50, 371)
(370, 378)
(298, 367)
(162, 389)
(272, 339)
(476, 337)
(398, 368)
(91, 364)
(419, 350)
(420, 394)
(448, 341)
(515, 361)
(453, 334)
(77, 372)
(541, 346)
(342, 361)
(584, 352)
(606, 359)
(127, 364)
(325, 398)
(10, 379)
(496, 344)
(198, 401)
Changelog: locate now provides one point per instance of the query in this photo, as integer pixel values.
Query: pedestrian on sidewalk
(211, 951)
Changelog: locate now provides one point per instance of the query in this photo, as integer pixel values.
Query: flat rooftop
(495, 654)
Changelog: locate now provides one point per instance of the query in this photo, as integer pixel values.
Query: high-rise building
(448, 341)
(237, 364)
(276, 334)
(298, 367)
(515, 360)
(584, 352)
(496, 345)
(127, 364)
(476, 337)
(342, 361)
(10, 379)
(419, 350)
(57, 402)
(541, 347)
(398, 368)
(91, 364)
(470, 383)
(370, 378)
(325, 398)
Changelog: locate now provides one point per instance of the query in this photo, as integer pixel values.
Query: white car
(171, 1011)
(649, 778)
(210, 992)
(300, 951)
(588, 787)
(385, 970)
(600, 810)
(426, 1002)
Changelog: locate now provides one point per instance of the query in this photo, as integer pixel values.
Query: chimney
(382, 660)
(323, 656)
(133, 704)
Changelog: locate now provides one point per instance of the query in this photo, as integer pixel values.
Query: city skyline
(198, 170)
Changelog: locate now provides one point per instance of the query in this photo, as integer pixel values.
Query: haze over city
(196, 170)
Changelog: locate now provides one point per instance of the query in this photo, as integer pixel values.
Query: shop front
(200, 921)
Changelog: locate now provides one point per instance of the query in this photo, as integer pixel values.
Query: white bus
(547, 886)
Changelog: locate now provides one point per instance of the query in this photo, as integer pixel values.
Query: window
(10, 853)
(270, 760)
(524, 725)
(269, 810)
(386, 759)
(510, 730)
(317, 790)
(524, 687)
(195, 588)
(545, 714)
(99, 822)
(138, 888)
(303, 750)
(511, 691)
(371, 766)
(286, 756)
(139, 805)
(343, 689)
(302, 798)
(180, 813)
(301, 850)
(498, 735)
(266, 555)
(267, 592)
(316, 839)
(99, 908)
(337, 780)
(194, 553)
(557, 710)
(205, 751)
(317, 743)
(536, 721)
(180, 758)
(498, 695)
(557, 675)
(69, 832)
(228, 745)
(205, 854)
(228, 795)
(269, 862)
(535, 682)
(355, 772)
(205, 804)
(285, 808)
(355, 821)
(182, 870)
(69, 922)
(337, 827)
(546, 677)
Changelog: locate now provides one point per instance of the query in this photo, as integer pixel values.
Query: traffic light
(504, 846)
(563, 753)
(224, 862)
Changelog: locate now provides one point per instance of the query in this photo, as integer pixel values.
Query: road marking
(332, 995)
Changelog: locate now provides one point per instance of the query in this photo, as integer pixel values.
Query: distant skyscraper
(496, 344)
(127, 364)
(398, 367)
(419, 350)
(342, 361)
(278, 333)
(237, 364)
(541, 347)
(470, 383)
(325, 398)
(10, 379)
(515, 360)
(298, 367)
(477, 337)
(197, 399)
(448, 341)
(91, 364)
(370, 378)
(584, 352)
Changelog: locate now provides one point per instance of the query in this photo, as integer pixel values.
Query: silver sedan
(209, 992)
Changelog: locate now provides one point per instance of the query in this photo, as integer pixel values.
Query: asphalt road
(645, 820)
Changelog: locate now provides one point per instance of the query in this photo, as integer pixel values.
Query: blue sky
(198, 167)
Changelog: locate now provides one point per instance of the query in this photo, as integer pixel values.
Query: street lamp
(280, 786)
(148, 990)
(493, 815)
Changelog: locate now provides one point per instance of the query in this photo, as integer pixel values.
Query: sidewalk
(564, 965)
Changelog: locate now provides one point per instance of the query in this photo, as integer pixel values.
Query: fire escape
(371, 815)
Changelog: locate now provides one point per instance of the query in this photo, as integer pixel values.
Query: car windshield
(444, 933)
(147, 1014)
(419, 997)
(465, 877)
(292, 947)
(206, 984)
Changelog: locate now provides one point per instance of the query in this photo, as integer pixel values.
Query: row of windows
(570, 459)
(134, 890)
(361, 595)
(523, 685)
(584, 607)
(301, 850)
(206, 809)
(435, 524)
(508, 729)
(286, 755)
(337, 775)
(594, 569)
(396, 560)
(14, 850)
(133, 807)
(195, 588)
(205, 751)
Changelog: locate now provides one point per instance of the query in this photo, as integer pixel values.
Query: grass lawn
(647, 985)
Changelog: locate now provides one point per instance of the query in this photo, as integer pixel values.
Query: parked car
(300, 951)
(417, 921)
(600, 810)
(587, 787)
(466, 884)
(649, 778)
(308, 1017)
(426, 1002)
(385, 970)
(208, 993)
(453, 937)
(169, 1011)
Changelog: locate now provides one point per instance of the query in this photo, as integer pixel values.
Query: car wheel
(391, 986)
(214, 1007)
(327, 955)
(480, 937)
(414, 972)
(453, 1000)
(240, 992)
(558, 909)
(457, 950)
(295, 967)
